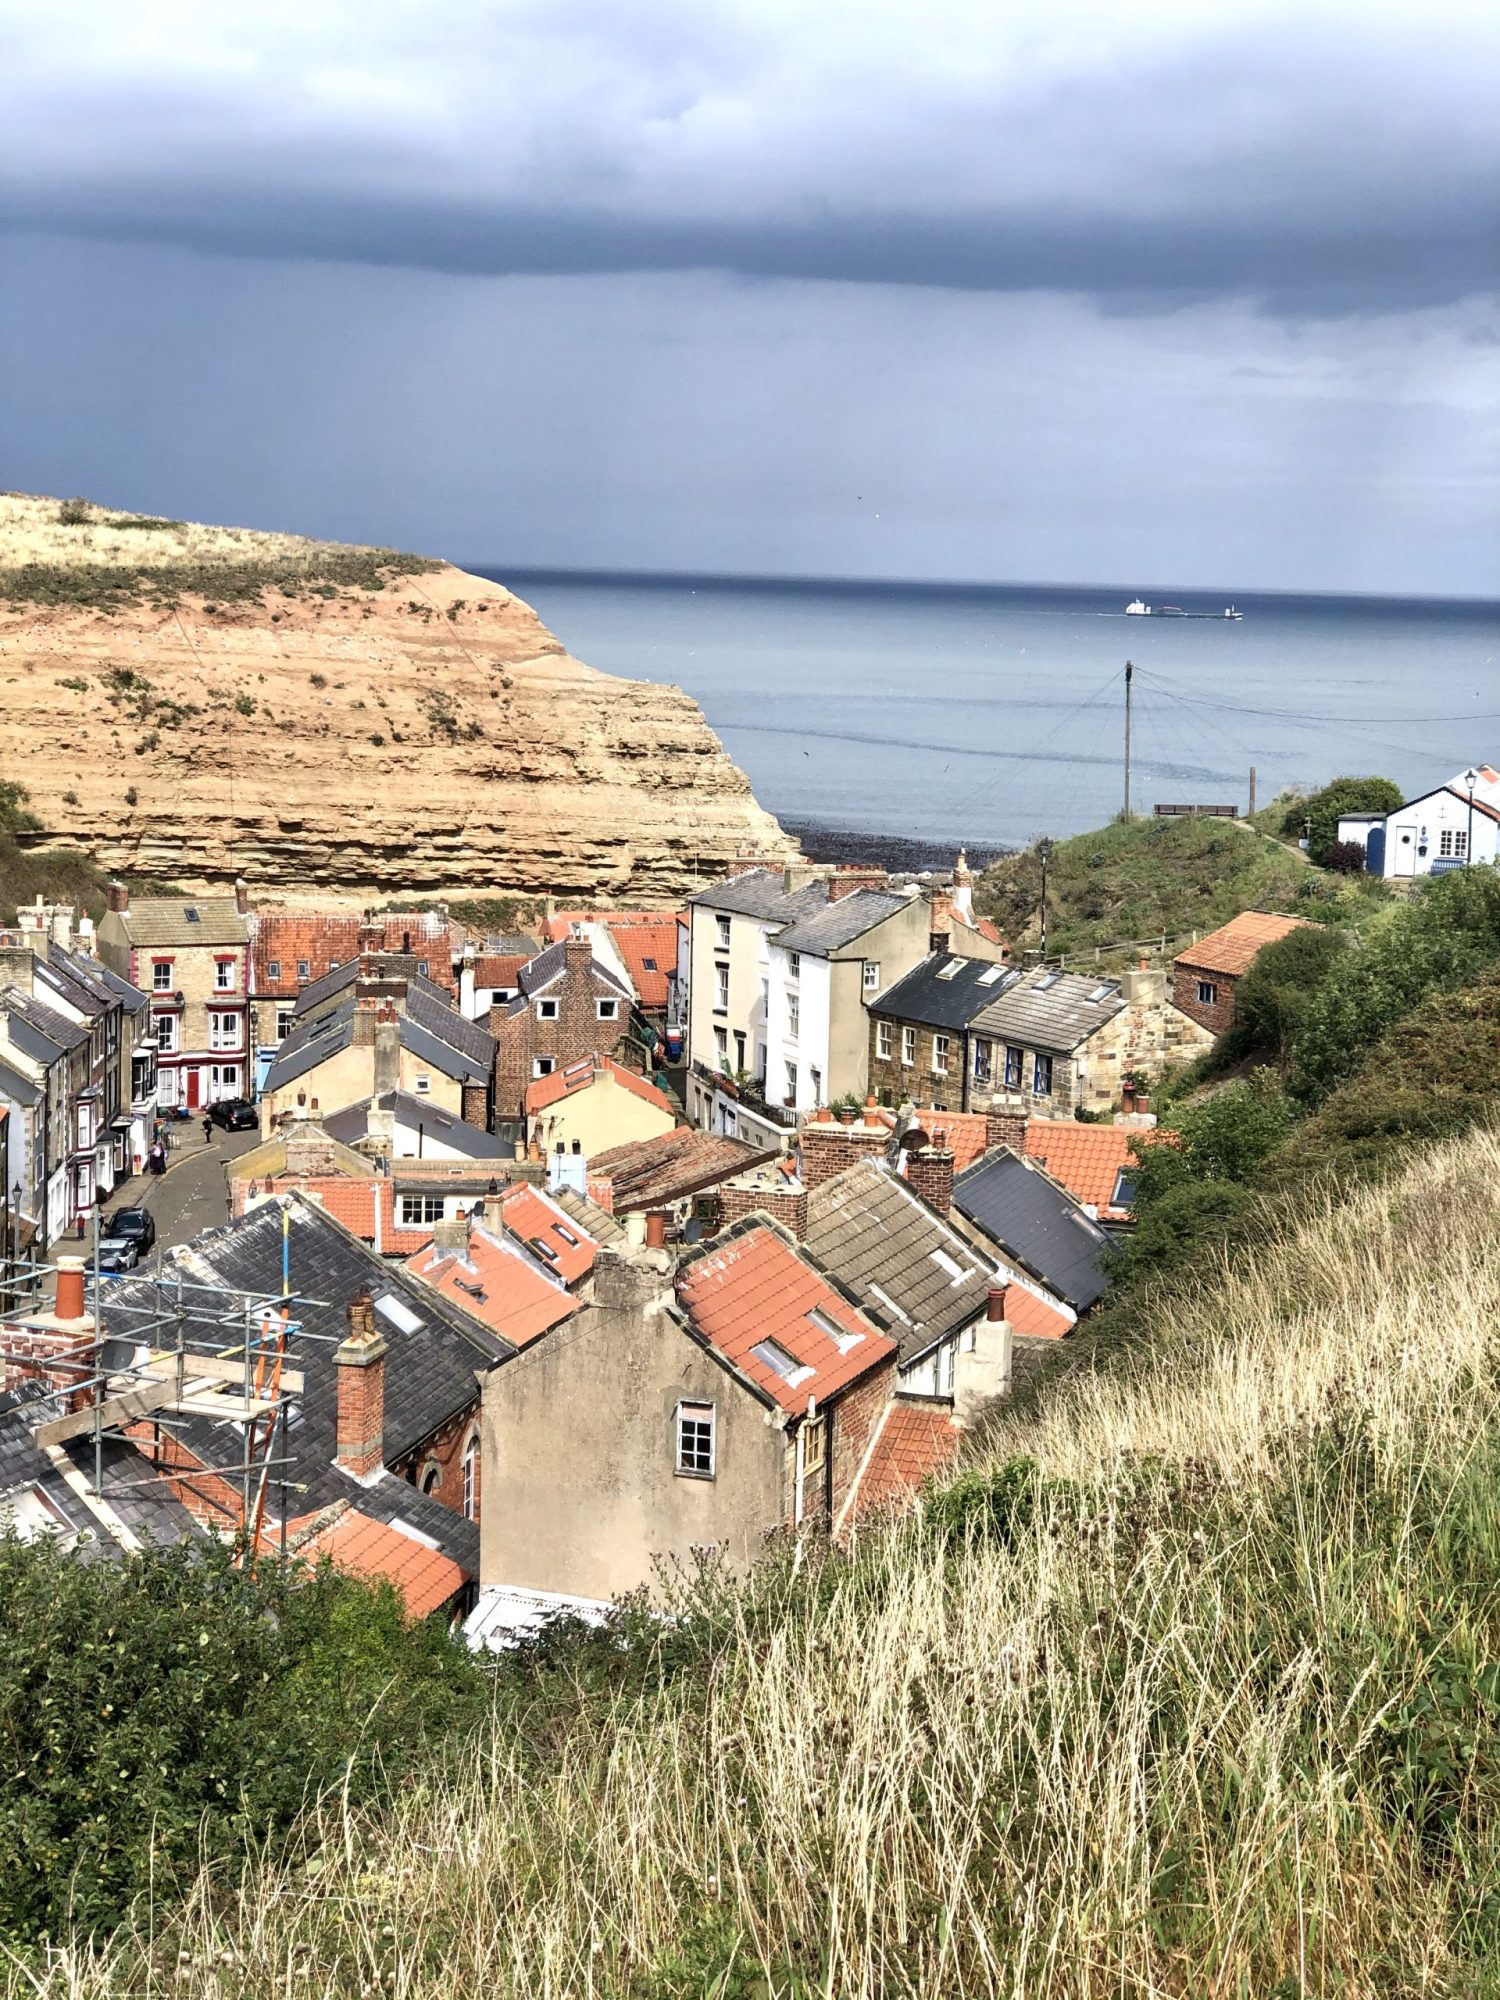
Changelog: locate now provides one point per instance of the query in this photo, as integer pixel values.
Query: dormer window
(304, 969)
(273, 968)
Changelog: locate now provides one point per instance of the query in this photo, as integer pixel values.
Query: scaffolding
(197, 1350)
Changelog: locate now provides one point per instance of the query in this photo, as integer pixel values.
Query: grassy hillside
(1187, 1685)
(1141, 879)
(57, 874)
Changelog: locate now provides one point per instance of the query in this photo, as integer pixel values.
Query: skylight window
(544, 1249)
(989, 977)
(565, 1233)
(398, 1314)
(190, 916)
(952, 969)
(770, 1354)
(1099, 992)
(1047, 979)
(951, 1265)
(842, 1339)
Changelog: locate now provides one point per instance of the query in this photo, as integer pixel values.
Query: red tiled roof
(534, 1219)
(356, 1202)
(581, 1076)
(493, 1282)
(914, 1441)
(499, 969)
(1087, 1159)
(638, 936)
(285, 939)
(752, 1286)
(1233, 948)
(966, 1130)
(426, 1578)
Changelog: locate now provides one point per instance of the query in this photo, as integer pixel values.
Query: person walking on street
(208, 1129)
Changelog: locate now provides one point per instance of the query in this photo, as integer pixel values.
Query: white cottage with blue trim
(1451, 827)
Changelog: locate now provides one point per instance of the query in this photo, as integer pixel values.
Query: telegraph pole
(1129, 677)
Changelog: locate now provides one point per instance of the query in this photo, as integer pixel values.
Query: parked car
(136, 1224)
(235, 1114)
(119, 1253)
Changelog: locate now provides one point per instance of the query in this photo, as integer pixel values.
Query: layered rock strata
(340, 724)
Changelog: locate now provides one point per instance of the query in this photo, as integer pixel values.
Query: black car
(138, 1225)
(235, 1114)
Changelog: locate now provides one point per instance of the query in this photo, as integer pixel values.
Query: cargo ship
(1139, 609)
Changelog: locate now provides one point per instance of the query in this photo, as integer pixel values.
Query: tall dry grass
(1181, 1690)
(32, 530)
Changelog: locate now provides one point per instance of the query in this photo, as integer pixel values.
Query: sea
(910, 718)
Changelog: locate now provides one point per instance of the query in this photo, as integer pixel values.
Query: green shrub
(244, 704)
(171, 1705)
(1274, 995)
(1319, 815)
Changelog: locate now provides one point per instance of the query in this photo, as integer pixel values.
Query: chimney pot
(70, 1298)
(656, 1231)
(994, 1302)
(242, 895)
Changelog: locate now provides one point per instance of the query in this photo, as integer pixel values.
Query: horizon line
(808, 579)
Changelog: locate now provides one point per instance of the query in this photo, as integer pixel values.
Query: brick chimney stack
(578, 953)
(1006, 1128)
(827, 1146)
(119, 898)
(929, 1169)
(55, 1348)
(847, 878)
(360, 1362)
(940, 928)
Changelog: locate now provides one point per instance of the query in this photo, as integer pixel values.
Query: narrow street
(193, 1194)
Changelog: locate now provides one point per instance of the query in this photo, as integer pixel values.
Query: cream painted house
(593, 1105)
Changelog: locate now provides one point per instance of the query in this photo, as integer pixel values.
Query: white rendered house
(1452, 827)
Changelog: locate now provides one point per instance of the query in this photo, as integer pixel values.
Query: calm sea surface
(993, 715)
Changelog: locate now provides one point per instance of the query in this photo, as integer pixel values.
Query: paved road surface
(193, 1194)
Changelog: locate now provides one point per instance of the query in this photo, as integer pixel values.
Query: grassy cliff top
(1142, 878)
(72, 554)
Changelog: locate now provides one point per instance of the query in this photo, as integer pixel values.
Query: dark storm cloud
(1316, 160)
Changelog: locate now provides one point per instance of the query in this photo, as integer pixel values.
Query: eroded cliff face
(350, 733)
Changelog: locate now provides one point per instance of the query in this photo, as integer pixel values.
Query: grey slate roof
(430, 1370)
(352, 1122)
(761, 892)
(40, 1029)
(166, 920)
(881, 1239)
(539, 973)
(1048, 1010)
(426, 1006)
(305, 1047)
(1016, 1205)
(840, 923)
(925, 995)
(340, 979)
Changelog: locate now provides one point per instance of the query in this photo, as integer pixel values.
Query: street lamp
(1471, 779)
(1044, 849)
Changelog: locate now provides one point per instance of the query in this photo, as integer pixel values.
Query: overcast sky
(1181, 293)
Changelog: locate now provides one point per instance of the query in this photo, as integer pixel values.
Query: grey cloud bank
(1066, 292)
(1320, 159)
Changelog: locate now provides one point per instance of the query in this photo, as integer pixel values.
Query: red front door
(193, 1074)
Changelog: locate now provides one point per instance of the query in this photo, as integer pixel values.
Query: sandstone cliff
(338, 724)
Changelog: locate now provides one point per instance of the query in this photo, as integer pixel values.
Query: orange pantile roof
(493, 969)
(1029, 1313)
(1087, 1159)
(914, 1440)
(582, 1076)
(646, 940)
(425, 1577)
(1233, 948)
(491, 1280)
(286, 939)
(367, 1207)
(534, 1219)
(752, 1286)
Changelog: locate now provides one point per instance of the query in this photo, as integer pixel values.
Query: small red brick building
(1205, 976)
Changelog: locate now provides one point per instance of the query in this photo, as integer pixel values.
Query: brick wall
(207, 1497)
(930, 1172)
(827, 1148)
(476, 1105)
(786, 1205)
(443, 1453)
(576, 1032)
(855, 1415)
(1216, 1015)
(60, 1359)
